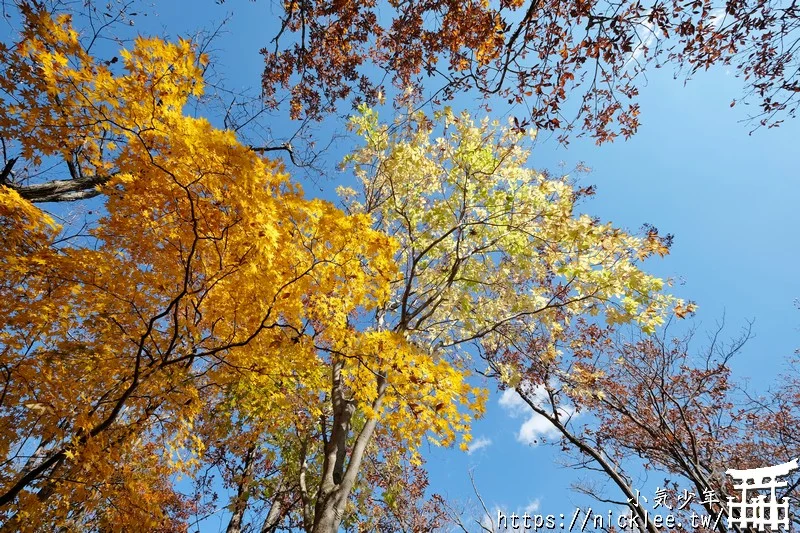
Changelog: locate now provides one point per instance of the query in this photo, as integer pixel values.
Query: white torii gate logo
(754, 509)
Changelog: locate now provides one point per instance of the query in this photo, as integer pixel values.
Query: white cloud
(536, 427)
(646, 35)
(478, 444)
(716, 18)
(643, 42)
(532, 507)
(513, 403)
(488, 521)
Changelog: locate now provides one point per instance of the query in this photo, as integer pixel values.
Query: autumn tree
(624, 402)
(537, 52)
(198, 285)
(487, 248)
(210, 308)
(486, 245)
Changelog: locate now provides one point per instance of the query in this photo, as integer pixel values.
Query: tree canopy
(205, 265)
(211, 301)
(209, 337)
(575, 64)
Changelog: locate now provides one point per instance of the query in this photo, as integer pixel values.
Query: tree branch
(59, 190)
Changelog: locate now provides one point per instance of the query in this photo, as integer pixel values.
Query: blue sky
(692, 170)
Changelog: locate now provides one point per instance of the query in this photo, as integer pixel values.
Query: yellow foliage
(202, 291)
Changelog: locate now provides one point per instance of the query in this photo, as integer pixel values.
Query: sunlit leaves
(488, 244)
(200, 294)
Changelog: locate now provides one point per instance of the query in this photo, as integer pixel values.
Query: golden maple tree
(209, 279)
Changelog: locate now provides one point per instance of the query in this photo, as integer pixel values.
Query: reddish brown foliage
(538, 52)
(661, 404)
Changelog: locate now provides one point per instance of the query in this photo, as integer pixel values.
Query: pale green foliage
(487, 244)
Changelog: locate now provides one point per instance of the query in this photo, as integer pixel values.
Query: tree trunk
(337, 482)
(275, 511)
(242, 492)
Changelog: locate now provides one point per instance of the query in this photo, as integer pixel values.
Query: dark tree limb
(82, 188)
(285, 147)
(61, 190)
(6, 172)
